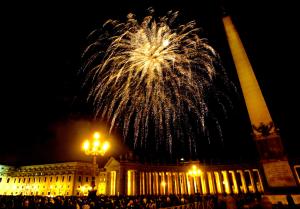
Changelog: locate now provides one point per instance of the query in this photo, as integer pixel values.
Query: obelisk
(272, 157)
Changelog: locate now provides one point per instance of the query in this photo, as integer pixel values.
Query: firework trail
(151, 74)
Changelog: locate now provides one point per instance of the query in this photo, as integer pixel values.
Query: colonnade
(207, 182)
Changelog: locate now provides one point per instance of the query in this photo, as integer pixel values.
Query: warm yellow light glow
(105, 146)
(113, 182)
(96, 143)
(86, 145)
(96, 135)
(102, 188)
(97, 148)
(129, 182)
(194, 171)
(163, 183)
(32, 186)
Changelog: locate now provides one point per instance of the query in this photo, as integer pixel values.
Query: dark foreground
(241, 201)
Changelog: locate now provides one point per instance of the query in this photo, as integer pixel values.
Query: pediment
(112, 163)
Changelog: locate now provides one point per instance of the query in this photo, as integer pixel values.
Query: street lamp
(94, 148)
(194, 171)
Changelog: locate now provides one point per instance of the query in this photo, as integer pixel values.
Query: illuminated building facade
(72, 178)
(129, 177)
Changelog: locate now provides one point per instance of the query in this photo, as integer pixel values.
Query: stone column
(203, 182)
(154, 181)
(143, 185)
(189, 184)
(211, 183)
(198, 185)
(163, 183)
(150, 183)
(253, 184)
(244, 185)
(221, 185)
(260, 187)
(183, 186)
(175, 183)
(235, 185)
(169, 183)
(227, 182)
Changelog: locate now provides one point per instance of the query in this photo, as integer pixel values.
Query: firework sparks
(150, 74)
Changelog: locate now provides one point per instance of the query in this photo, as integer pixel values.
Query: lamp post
(95, 148)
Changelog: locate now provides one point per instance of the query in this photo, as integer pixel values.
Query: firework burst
(150, 76)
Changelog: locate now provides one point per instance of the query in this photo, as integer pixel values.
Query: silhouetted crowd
(240, 201)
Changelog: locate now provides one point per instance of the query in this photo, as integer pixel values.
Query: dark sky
(41, 45)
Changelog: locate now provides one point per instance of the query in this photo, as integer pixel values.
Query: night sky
(44, 119)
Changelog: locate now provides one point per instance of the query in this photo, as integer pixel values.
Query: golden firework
(149, 72)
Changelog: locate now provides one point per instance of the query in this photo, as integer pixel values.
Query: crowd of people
(240, 201)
